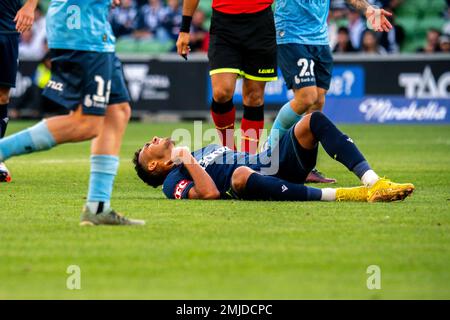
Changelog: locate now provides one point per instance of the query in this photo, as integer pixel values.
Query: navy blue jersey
(288, 161)
(8, 11)
(218, 161)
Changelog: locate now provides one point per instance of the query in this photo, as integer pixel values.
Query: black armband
(186, 24)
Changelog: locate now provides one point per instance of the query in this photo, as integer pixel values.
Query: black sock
(260, 187)
(3, 119)
(221, 108)
(253, 113)
(338, 145)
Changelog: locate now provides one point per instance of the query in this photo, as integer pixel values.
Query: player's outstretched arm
(204, 187)
(378, 18)
(189, 7)
(25, 16)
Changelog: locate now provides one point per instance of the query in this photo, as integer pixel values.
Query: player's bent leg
(308, 141)
(74, 127)
(50, 132)
(338, 145)
(253, 118)
(342, 148)
(315, 176)
(309, 101)
(223, 111)
(268, 188)
(250, 185)
(35, 138)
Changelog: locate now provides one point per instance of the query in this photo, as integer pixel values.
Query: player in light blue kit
(87, 79)
(305, 58)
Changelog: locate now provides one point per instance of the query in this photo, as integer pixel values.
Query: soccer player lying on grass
(217, 172)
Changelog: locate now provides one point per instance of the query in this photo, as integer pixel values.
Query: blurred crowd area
(151, 26)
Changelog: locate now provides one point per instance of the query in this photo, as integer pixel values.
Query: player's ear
(152, 165)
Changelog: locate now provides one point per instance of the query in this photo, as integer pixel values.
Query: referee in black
(242, 44)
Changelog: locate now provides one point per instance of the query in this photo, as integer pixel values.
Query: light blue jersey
(302, 21)
(80, 25)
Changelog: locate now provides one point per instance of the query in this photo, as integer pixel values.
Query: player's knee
(304, 134)
(254, 98)
(121, 112)
(239, 179)
(223, 94)
(318, 122)
(318, 106)
(304, 101)
(302, 128)
(125, 111)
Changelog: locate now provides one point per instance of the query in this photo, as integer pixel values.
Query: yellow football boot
(384, 190)
(358, 194)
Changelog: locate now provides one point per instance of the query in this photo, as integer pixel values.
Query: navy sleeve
(177, 185)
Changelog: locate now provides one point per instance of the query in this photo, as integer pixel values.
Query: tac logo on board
(425, 85)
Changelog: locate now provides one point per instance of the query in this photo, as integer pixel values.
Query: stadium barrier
(364, 89)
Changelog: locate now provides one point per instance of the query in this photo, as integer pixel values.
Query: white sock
(93, 206)
(369, 178)
(328, 194)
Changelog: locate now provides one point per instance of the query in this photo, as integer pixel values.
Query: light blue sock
(36, 138)
(103, 171)
(285, 119)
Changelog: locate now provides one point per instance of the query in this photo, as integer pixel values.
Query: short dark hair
(343, 30)
(154, 178)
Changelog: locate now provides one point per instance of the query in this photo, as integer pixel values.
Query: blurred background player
(242, 43)
(87, 79)
(217, 172)
(33, 101)
(13, 20)
(306, 61)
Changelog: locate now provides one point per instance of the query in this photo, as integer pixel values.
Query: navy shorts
(92, 79)
(292, 162)
(9, 53)
(305, 65)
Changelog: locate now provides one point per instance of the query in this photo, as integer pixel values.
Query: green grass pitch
(229, 249)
